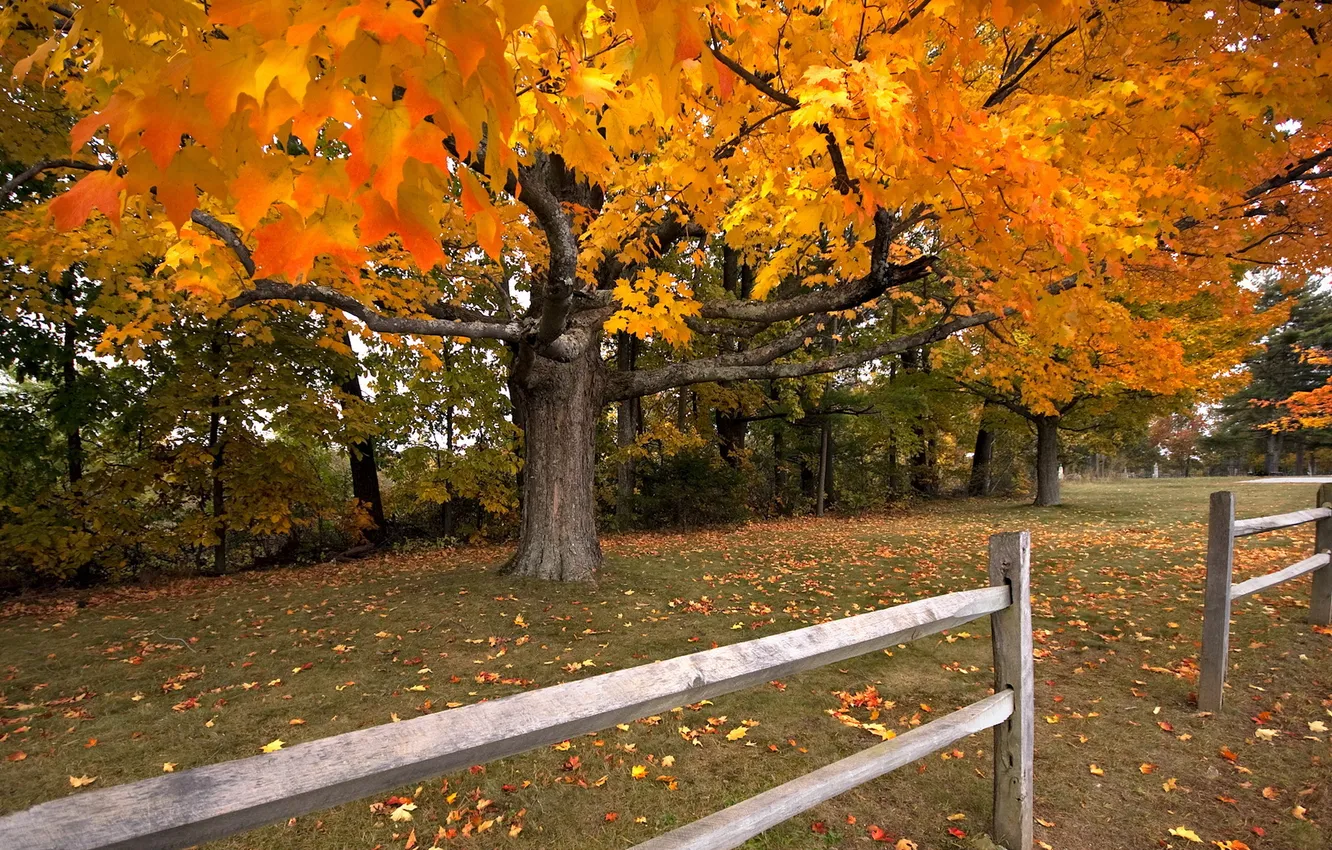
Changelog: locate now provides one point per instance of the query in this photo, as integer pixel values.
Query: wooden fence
(1222, 529)
(181, 809)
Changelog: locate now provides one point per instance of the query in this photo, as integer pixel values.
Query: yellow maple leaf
(638, 771)
(403, 812)
(273, 746)
(1186, 834)
(80, 781)
(736, 734)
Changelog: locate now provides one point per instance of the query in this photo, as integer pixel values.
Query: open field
(201, 671)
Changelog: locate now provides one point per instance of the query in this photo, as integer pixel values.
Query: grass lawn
(201, 671)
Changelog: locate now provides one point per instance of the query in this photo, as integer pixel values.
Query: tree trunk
(70, 376)
(627, 417)
(557, 408)
(1047, 460)
(1300, 466)
(1273, 457)
(218, 449)
(979, 484)
(364, 468)
(825, 459)
(924, 477)
(731, 431)
(779, 466)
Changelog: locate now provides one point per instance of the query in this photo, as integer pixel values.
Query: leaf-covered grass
(201, 671)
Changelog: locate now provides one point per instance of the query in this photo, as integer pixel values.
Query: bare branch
(622, 385)
(265, 289)
(46, 165)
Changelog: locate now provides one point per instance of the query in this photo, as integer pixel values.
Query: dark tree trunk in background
(825, 464)
(778, 465)
(1047, 460)
(557, 407)
(979, 483)
(364, 468)
(73, 435)
(1273, 457)
(924, 477)
(628, 423)
(217, 448)
(69, 383)
(732, 428)
(447, 512)
(1300, 466)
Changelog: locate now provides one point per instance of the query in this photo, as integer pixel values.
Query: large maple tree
(731, 178)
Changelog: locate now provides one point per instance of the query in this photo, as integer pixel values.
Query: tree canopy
(763, 190)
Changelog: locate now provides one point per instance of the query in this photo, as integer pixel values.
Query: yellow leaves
(638, 771)
(403, 813)
(655, 303)
(272, 746)
(1186, 834)
(1169, 785)
(168, 767)
(80, 781)
(1095, 770)
(736, 734)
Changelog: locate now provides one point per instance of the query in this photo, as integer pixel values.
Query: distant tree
(1282, 400)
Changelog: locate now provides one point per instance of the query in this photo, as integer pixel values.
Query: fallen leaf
(1186, 834)
(168, 767)
(736, 734)
(1096, 771)
(403, 812)
(80, 781)
(273, 746)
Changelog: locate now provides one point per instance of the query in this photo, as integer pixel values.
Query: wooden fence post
(1320, 603)
(1216, 601)
(1010, 564)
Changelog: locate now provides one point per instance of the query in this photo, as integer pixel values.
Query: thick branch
(229, 237)
(271, 290)
(1011, 81)
(1294, 174)
(622, 385)
(822, 301)
(556, 300)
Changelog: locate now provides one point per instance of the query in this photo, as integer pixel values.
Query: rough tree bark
(557, 406)
(1047, 460)
(1272, 460)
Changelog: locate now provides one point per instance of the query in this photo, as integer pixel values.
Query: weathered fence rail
(182, 809)
(1220, 592)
